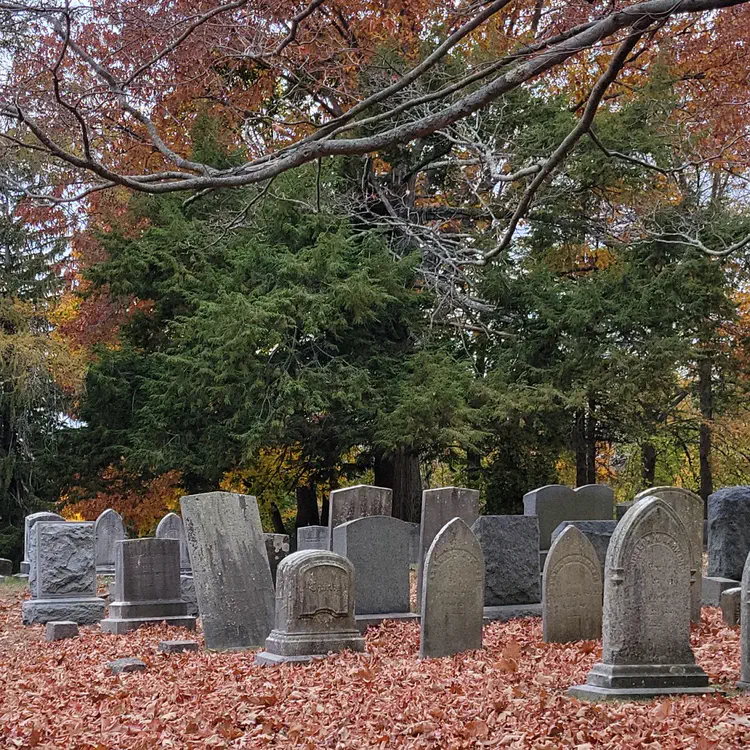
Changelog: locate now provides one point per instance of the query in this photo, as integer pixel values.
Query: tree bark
(277, 520)
(579, 444)
(400, 472)
(706, 401)
(648, 456)
(473, 469)
(307, 507)
(591, 443)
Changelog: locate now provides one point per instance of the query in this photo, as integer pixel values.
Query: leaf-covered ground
(511, 694)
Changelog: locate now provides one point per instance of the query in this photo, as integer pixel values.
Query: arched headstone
(108, 530)
(171, 527)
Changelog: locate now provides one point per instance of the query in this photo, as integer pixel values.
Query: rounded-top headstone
(108, 530)
(171, 527)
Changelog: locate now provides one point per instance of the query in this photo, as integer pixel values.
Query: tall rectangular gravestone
(171, 527)
(28, 525)
(233, 583)
(62, 578)
(439, 506)
(744, 683)
(350, 503)
(312, 537)
(728, 532)
(109, 529)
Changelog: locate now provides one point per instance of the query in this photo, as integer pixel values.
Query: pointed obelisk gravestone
(314, 609)
(62, 578)
(350, 503)
(28, 525)
(452, 593)
(744, 683)
(233, 582)
(571, 590)
(108, 530)
(171, 527)
(646, 623)
(147, 585)
(688, 507)
(438, 507)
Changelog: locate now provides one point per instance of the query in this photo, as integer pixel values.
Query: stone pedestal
(147, 584)
(314, 609)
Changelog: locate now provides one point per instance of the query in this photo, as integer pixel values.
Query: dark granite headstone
(728, 532)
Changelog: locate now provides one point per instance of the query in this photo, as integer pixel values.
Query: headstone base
(713, 586)
(25, 576)
(370, 621)
(313, 644)
(120, 626)
(506, 612)
(591, 693)
(83, 611)
(264, 659)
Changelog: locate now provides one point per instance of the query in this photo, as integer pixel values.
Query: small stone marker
(127, 665)
(6, 567)
(147, 585)
(60, 631)
(277, 548)
(728, 532)
(362, 500)
(452, 593)
(378, 548)
(177, 647)
(571, 590)
(439, 506)
(312, 537)
(171, 527)
(108, 530)
(62, 578)
(314, 609)
(599, 533)
(28, 525)
(731, 606)
(744, 683)
(688, 507)
(556, 503)
(646, 622)
(510, 545)
(233, 581)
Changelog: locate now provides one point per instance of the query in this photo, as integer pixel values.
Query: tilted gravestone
(108, 530)
(314, 609)
(171, 527)
(312, 537)
(510, 545)
(688, 507)
(147, 585)
(452, 593)
(556, 503)
(728, 532)
(62, 578)
(744, 683)
(571, 590)
(378, 548)
(233, 583)
(28, 525)
(362, 500)
(439, 506)
(277, 548)
(646, 621)
(599, 533)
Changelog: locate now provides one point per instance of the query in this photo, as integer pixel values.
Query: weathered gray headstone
(413, 543)
(362, 500)
(277, 548)
(452, 593)
(28, 525)
(108, 530)
(147, 585)
(378, 548)
(728, 532)
(438, 507)
(314, 609)
(312, 537)
(646, 622)
(599, 533)
(510, 545)
(6, 567)
(556, 503)
(731, 606)
(713, 587)
(572, 590)
(233, 581)
(60, 631)
(62, 578)
(688, 507)
(171, 527)
(744, 683)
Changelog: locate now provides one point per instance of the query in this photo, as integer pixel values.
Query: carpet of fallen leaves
(511, 694)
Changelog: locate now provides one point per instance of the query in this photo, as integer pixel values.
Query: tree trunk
(648, 455)
(473, 469)
(579, 444)
(307, 507)
(706, 400)
(277, 520)
(591, 443)
(400, 472)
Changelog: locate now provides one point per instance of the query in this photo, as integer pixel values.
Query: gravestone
(362, 500)
(622, 508)
(452, 593)
(728, 532)
(731, 606)
(646, 620)
(62, 578)
(314, 609)
(713, 587)
(599, 533)
(439, 506)
(312, 537)
(688, 507)
(147, 585)
(277, 548)
(744, 683)
(6, 567)
(510, 545)
(413, 543)
(108, 530)
(171, 527)
(556, 503)
(28, 525)
(233, 583)
(378, 548)
(571, 589)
